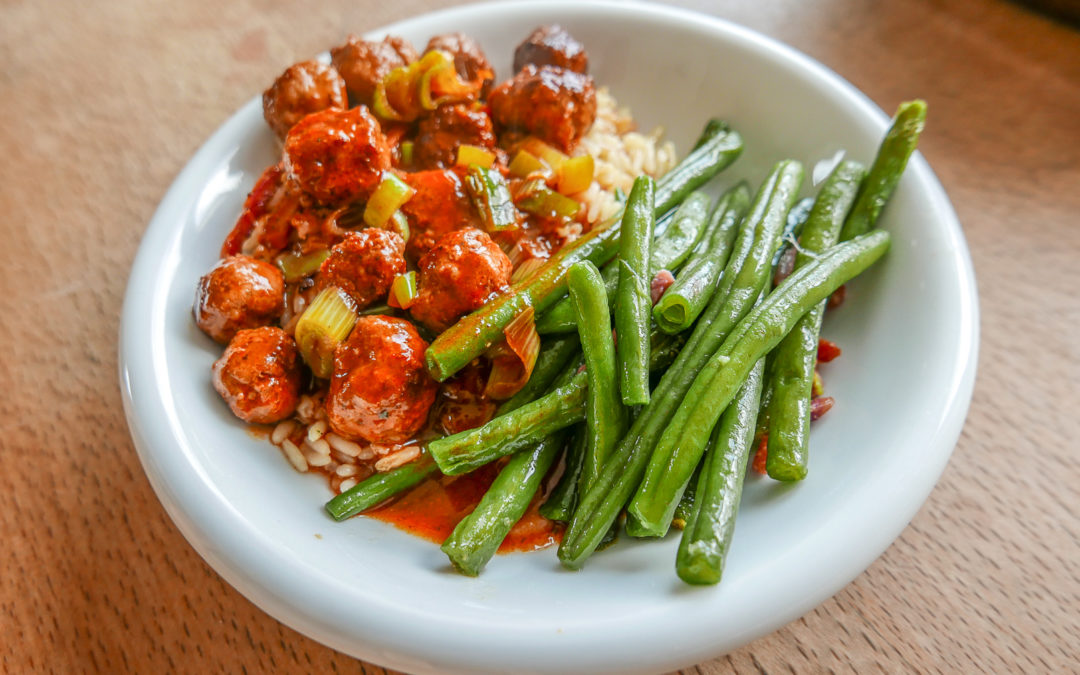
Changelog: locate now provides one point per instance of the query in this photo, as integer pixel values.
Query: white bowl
(908, 330)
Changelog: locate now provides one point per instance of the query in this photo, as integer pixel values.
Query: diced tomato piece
(761, 456)
(827, 350)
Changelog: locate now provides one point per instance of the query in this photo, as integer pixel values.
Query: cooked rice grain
(293, 454)
(396, 459)
(621, 154)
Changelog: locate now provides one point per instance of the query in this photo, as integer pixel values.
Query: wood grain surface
(103, 103)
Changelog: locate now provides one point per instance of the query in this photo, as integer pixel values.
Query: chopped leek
(468, 155)
(403, 292)
(388, 197)
(296, 266)
(407, 152)
(537, 198)
(325, 323)
(492, 198)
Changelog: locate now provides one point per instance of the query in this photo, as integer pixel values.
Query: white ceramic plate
(908, 330)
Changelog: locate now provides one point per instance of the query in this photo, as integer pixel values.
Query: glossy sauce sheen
(432, 509)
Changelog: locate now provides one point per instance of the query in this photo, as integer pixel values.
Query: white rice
(621, 154)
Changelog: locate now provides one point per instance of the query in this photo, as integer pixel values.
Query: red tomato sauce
(432, 509)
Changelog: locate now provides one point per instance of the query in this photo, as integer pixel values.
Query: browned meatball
(439, 135)
(239, 292)
(259, 375)
(441, 204)
(464, 270)
(469, 60)
(302, 89)
(363, 265)
(363, 64)
(337, 156)
(380, 390)
(551, 46)
(552, 103)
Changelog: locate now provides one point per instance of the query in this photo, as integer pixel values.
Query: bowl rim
(261, 569)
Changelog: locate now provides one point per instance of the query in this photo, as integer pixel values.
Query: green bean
(469, 337)
(792, 362)
(379, 488)
(686, 502)
(710, 523)
(605, 416)
(685, 227)
(892, 157)
(561, 502)
(517, 429)
(683, 441)
(632, 300)
(741, 285)
(684, 300)
(478, 536)
(754, 246)
(713, 127)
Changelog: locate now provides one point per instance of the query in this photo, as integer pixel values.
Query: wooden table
(103, 103)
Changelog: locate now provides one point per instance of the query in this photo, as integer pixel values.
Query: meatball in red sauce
(259, 375)
(464, 270)
(380, 390)
(363, 265)
(469, 60)
(439, 135)
(238, 293)
(551, 46)
(337, 156)
(551, 103)
(441, 204)
(364, 64)
(302, 89)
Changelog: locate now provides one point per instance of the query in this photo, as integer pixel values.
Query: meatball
(304, 88)
(552, 103)
(337, 156)
(469, 60)
(439, 135)
(551, 46)
(238, 293)
(364, 64)
(380, 391)
(363, 265)
(462, 272)
(259, 375)
(441, 204)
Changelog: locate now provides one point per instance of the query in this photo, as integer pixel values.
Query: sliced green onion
(296, 266)
(325, 323)
(492, 198)
(406, 152)
(403, 291)
(537, 198)
(525, 164)
(576, 174)
(467, 155)
(387, 198)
